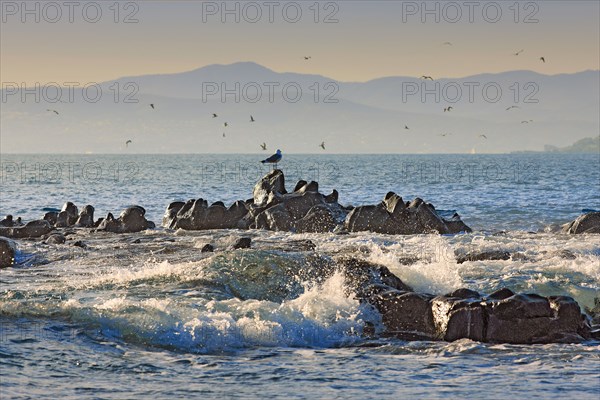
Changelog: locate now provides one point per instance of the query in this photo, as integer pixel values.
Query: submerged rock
(491, 255)
(242, 243)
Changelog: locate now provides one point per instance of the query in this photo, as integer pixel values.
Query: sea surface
(149, 315)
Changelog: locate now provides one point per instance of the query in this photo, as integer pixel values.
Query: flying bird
(519, 52)
(223, 134)
(446, 44)
(54, 111)
(215, 115)
(322, 145)
(225, 124)
(483, 136)
(263, 146)
(511, 107)
(425, 77)
(406, 127)
(542, 59)
(274, 159)
(152, 105)
(445, 134)
(251, 118)
(448, 109)
(307, 58)
(127, 143)
(527, 122)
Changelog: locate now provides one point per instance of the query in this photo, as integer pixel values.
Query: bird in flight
(425, 77)
(322, 145)
(251, 118)
(127, 143)
(263, 146)
(448, 109)
(511, 107)
(215, 115)
(223, 134)
(542, 59)
(152, 105)
(446, 44)
(519, 52)
(445, 134)
(483, 136)
(406, 127)
(54, 111)
(307, 58)
(274, 159)
(225, 124)
(527, 122)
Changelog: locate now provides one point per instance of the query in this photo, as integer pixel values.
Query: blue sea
(149, 315)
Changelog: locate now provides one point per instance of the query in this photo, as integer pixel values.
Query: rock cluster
(8, 251)
(305, 209)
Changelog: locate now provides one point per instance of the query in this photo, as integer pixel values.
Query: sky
(346, 40)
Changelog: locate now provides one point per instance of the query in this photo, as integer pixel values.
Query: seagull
(274, 159)
(251, 118)
(263, 146)
(446, 44)
(152, 105)
(448, 109)
(542, 59)
(511, 107)
(483, 136)
(445, 134)
(519, 52)
(526, 122)
(425, 77)
(223, 134)
(406, 127)
(307, 58)
(127, 143)
(225, 124)
(322, 145)
(215, 115)
(54, 111)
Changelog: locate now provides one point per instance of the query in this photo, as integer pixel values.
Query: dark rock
(208, 248)
(71, 213)
(318, 219)
(51, 217)
(197, 215)
(359, 274)
(501, 294)
(458, 318)
(483, 256)
(299, 185)
(8, 251)
(86, 217)
(406, 315)
(333, 197)
(586, 223)
(81, 244)
(242, 243)
(56, 238)
(131, 220)
(272, 183)
(393, 216)
(464, 293)
(33, 229)
(7, 222)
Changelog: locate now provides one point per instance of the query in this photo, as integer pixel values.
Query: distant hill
(585, 145)
(378, 116)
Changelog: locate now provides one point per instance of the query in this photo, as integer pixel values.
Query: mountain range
(487, 113)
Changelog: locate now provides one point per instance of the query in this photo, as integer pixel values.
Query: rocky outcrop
(33, 229)
(586, 223)
(395, 217)
(198, 215)
(8, 251)
(502, 317)
(131, 220)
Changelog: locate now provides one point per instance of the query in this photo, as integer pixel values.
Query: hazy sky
(370, 38)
